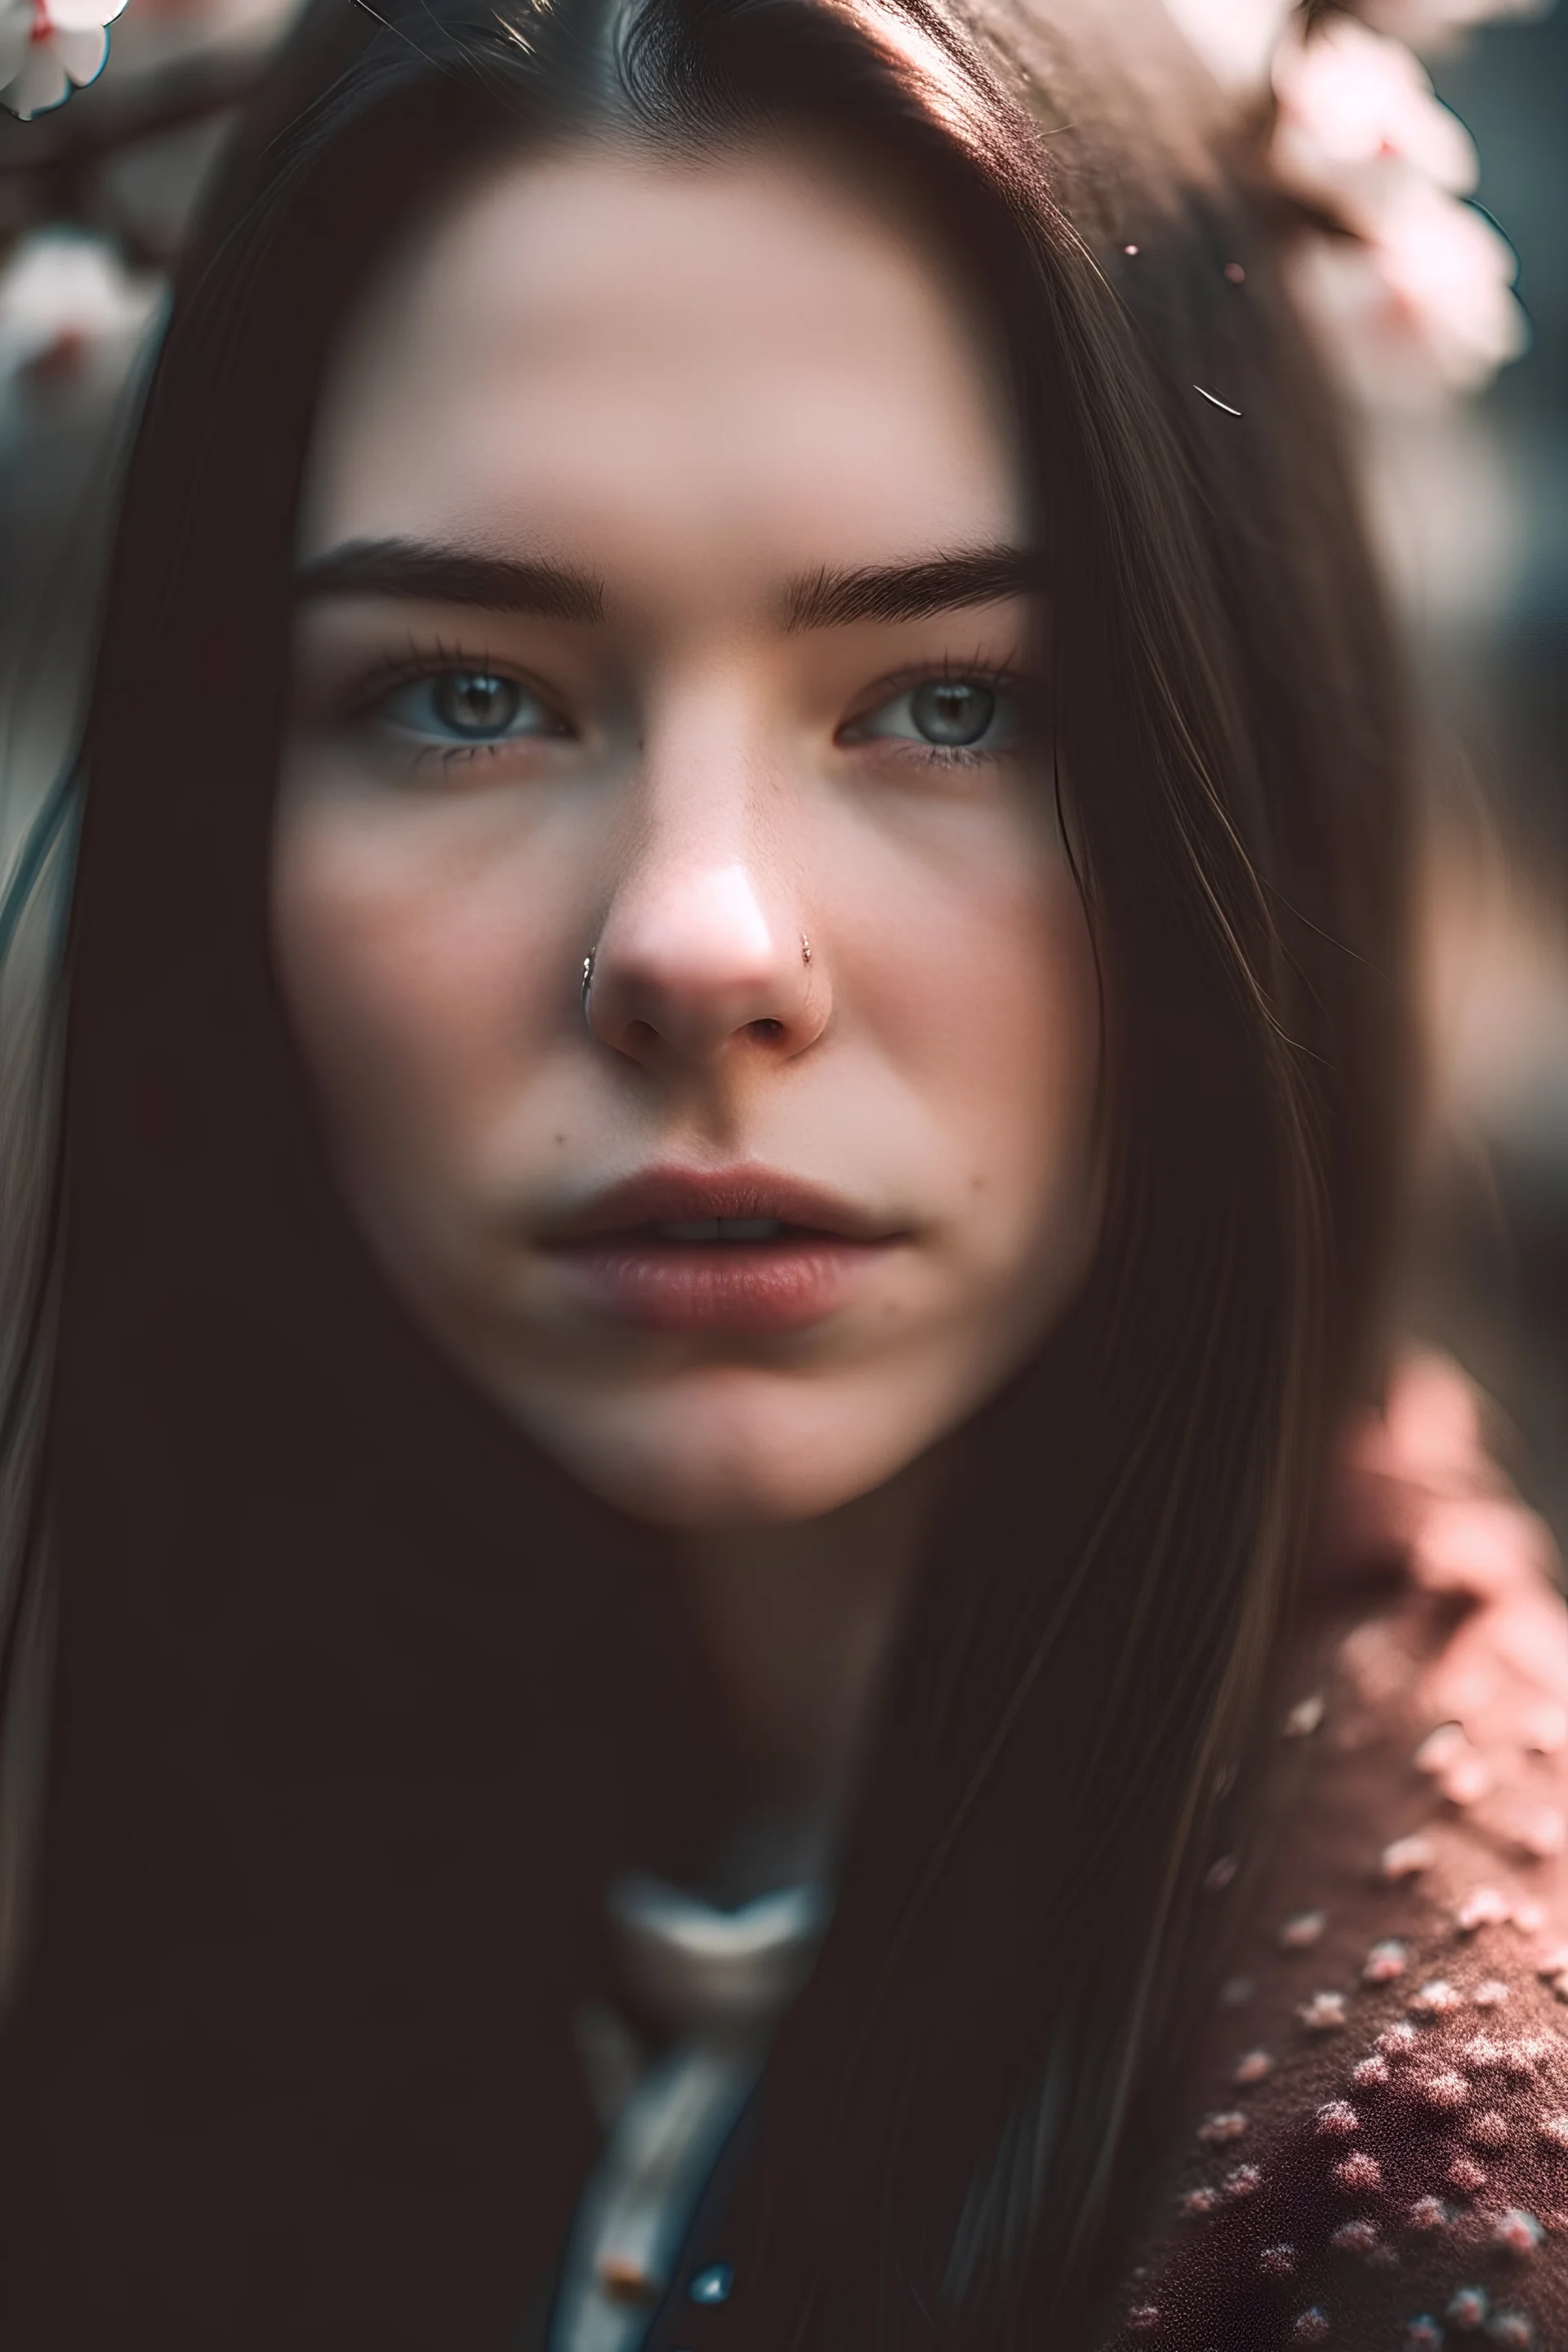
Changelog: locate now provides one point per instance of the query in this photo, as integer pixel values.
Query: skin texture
(697, 383)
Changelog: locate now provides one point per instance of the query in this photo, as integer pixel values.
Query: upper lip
(669, 1196)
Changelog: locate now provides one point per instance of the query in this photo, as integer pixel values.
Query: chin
(732, 1453)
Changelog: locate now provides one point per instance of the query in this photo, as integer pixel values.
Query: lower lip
(754, 1288)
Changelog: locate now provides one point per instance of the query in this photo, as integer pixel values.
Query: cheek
(414, 972)
(994, 995)
(1033, 1091)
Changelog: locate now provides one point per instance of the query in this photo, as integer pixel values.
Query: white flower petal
(82, 16)
(82, 53)
(42, 82)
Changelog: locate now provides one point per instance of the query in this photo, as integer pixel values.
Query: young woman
(735, 1081)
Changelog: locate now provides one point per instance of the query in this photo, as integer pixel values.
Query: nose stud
(805, 948)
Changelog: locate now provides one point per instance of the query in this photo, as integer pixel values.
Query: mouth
(724, 1229)
(748, 1251)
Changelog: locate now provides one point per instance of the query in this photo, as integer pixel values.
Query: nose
(694, 964)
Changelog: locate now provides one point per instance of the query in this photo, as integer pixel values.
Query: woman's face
(666, 597)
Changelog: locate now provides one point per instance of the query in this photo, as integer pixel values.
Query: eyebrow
(913, 591)
(418, 572)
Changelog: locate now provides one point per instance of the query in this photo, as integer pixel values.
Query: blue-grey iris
(472, 702)
(952, 711)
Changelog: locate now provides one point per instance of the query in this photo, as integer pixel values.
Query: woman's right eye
(473, 707)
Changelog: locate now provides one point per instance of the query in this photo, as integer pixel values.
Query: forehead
(646, 364)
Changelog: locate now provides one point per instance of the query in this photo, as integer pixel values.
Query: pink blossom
(1417, 301)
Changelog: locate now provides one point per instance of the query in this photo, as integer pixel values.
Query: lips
(676, 1196)
(746, 1251)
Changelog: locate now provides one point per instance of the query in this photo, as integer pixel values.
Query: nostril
(767, 1029)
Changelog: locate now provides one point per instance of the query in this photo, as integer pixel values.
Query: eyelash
(434, 660)
(999, 677)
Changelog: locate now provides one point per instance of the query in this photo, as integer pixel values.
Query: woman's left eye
(468, 706)
(944, 714)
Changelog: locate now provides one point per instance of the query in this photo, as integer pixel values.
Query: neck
(796, 1620)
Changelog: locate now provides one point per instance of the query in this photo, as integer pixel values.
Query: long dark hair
(358, 1700)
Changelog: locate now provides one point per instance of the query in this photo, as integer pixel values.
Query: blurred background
(1455, 373)
(1480, 520)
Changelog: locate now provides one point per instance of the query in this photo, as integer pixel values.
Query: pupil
(950, 711)
(472, 703)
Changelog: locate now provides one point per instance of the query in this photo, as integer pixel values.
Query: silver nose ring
(587, 984)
